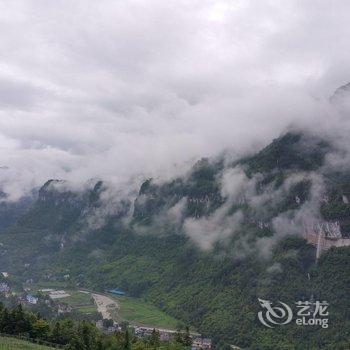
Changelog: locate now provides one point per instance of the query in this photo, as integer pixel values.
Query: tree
(21, 320)
(40, 329)
(127, 344)
(187, 340)
(56, 334)
(76, 343)
(6, 324)
(155, 338)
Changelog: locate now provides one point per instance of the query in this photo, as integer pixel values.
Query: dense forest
(145, 249)
(73, 335)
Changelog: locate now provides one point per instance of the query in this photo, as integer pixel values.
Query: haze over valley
(175, 175)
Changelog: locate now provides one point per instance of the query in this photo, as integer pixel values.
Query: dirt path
(104, 304)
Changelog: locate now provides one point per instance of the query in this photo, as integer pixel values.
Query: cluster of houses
(201, 343)
(55, 294)
(23, 298)
(108, 327)
(166, 335)
(5, 288)
(6, 291)
(324, 235)
(51, 298)
(31, 299)
(63, 309)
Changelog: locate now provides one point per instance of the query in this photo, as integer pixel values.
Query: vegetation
(77, 299)
(138, 311)
(214, 291)
(8, 343)
(73, 335)
(292, 151)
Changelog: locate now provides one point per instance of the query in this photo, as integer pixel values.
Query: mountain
(205, 246)
(340, 93)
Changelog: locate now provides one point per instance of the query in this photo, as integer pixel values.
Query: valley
(66, 300)
(175, 175)
(199, 250)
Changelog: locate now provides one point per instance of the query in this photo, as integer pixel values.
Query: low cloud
(216, 228)
(148, 87)
(297, 221)
(126, 90)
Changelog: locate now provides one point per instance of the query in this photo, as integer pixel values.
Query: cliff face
(206, 245)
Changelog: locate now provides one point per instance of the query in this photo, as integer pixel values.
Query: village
(100, 308)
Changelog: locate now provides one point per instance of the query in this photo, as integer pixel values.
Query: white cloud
(117, 88)
(218, 227)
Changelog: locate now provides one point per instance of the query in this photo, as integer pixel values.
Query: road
(104, 304)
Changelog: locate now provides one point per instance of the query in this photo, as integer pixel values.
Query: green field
(16, 344)
(137, 311)
(80, 301)
(77, 298)
(89, 309)
(133, 310)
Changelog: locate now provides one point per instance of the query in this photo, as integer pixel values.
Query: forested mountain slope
(205, 246)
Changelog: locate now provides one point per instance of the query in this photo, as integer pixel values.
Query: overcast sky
(117, 88)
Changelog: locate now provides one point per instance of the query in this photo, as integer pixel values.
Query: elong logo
(309, 313)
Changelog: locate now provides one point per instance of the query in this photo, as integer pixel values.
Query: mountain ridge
(248, 212)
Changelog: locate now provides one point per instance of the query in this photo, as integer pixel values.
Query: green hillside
(7, 343)
(143, 246)
(137, 311)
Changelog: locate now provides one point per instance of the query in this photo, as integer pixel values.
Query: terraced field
(139, 312)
